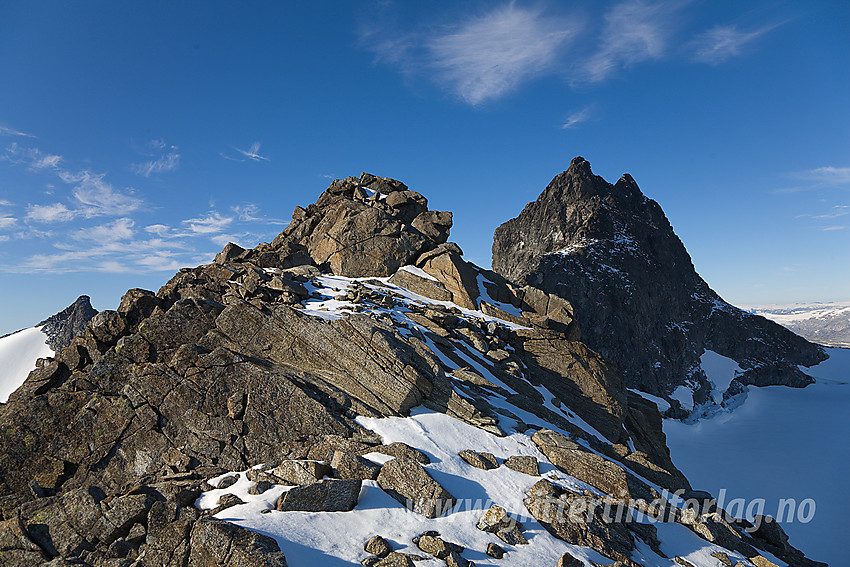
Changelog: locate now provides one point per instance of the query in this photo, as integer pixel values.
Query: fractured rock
(495, 551)
(407, 482)
(524, 464)
(580, 520)
(486, 461)
(349, 466)
(496, 521)
(323, 496)
(217, 543)
(589, 467)
(432, 543)
(378, 546)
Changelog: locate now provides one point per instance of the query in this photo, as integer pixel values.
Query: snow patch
(18, 353)
(685, 396)
(419, 272)
(663, 405)
(720, 371)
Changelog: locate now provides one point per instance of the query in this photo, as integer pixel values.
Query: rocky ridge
(612, 254)
(246, 382)
(68, 323)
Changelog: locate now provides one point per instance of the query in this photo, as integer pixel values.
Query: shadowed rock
(611, 252)
(68, 323)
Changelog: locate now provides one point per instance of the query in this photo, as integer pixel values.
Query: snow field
(18, 353)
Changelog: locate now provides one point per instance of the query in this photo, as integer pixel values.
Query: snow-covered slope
(18, 353)
(336, 538)
(781, 443)
(823, 323)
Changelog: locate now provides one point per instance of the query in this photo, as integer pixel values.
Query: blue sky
(138, 138)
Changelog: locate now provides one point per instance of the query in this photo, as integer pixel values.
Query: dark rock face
(610, 252)
(68, 323)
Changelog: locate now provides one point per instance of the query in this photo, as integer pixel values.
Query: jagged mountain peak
(612, 253)
(68, 323)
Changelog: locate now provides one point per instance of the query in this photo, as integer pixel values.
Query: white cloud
(158, 229)
(33, 158)
(634, 31)
(837, 211)
(830, 175)
(223, 239)
(46, 161)
(721, 43)
(212, 223)
(7, 222)
(252, 154)
(247, 212)
(99, 198)
(491, 55)
(835, 228)
(119, 229)
(56, 212)
(118, 255)
(161, 262)
(5, 203)
(165, 163)
(6, 131)
(820, 177)
(577, 118)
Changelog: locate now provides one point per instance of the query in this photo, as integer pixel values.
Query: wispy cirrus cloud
(251, 154)
(120, 255)
(482, 58)
(723, 42)
(830, 175)
(486, 56)
(634, 32)
(209, 224)
(491, 55)
(33, 158)
(577, 118)
(7, 131)
(168, 160)
(117, 230)
(819, 178)
(836, 212)
(249, 212)
(95, 197)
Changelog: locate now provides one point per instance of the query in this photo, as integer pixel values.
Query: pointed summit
(611, 252)
(68, 323)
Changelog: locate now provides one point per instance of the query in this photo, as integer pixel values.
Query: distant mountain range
(823, 323)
